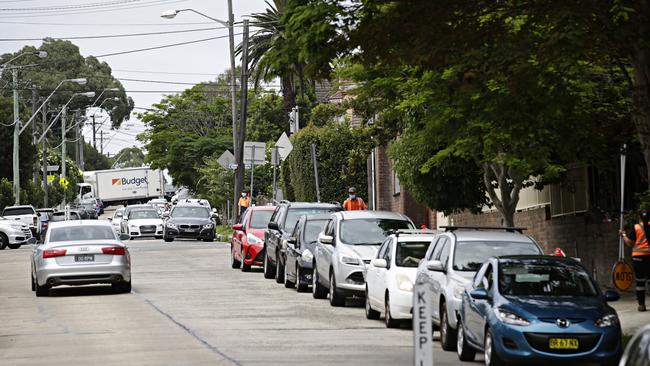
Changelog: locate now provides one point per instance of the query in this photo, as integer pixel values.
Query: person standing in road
(354, 203)
(638, 238)
(244, 202)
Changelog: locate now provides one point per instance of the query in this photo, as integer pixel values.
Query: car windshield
(544, 278)
(84, 232)
(88, 206)
(370, 231)
(18, 211)
(260, 219)
(118, 214)
(144, 214)
(312, 229)
(294, 215)
(470, 255)
(409, 253)
(200, 212)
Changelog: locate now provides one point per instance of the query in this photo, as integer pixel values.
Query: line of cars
(493, 290)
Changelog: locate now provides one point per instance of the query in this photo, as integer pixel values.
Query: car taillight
(51, 253)
(114, 250)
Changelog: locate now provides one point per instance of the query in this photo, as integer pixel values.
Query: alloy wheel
(488, 350)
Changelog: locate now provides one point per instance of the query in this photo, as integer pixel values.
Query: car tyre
(33, 283)
(318, 291)
(41, 291)
(287, 282)
(269, 272)
(4, 241)
(491, 356)
(158, 237)
(447, 334)
(122, 287)
(234, 264)
(390, 321)
(336, 298)
(168, 240)
(301, 286)
(371, 313)
(13, 246)
(279, 270)
(465, 351)
(244, 267)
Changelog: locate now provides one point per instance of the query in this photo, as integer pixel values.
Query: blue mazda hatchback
(537, 308)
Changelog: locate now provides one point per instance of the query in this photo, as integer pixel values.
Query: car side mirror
(379, 263)
(325, 239)
(214, 210)
(31, 240)
(292, 240)
(435, 266)
(125, 236)
(273, 226)
(611, 296)
(110, 219)
(479, 294)
(238, 227)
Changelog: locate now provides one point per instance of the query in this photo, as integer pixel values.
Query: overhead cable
(163, 46)
(114, 35)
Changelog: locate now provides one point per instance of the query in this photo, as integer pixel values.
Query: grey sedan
(80, 253)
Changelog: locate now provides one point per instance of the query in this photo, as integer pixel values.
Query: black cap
(352, 190)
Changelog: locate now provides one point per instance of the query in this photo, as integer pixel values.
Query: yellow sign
(50, 179)
(64, 183)
(622, 275)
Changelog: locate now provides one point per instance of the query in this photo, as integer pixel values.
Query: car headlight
(404, 283)
(610, 320)
(171, 225)
(458, 292)
(252, 239)
(307, 255)
(510, 317)
(350, 260)
(207, 226)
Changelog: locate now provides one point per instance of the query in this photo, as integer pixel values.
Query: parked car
(299, 261)
(144, 222)
(44, 218)
(80, 253)
(125, 215)
(91, 208)
(25, 214)
(452, 261)
(189, 221)
(637, 352)
(117, 219)
(349, 242)
(247, 243)
(537, 308)
(391, 275)
(282, 222)
(13, 233)
(84, 212)
(60, 216)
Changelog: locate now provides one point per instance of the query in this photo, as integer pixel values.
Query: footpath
(631, 319)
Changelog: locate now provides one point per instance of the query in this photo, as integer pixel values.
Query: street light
(102, 93)
(171, 14)
(18, 130)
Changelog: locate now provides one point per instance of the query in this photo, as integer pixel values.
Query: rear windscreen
(73, 233)
(18, 211)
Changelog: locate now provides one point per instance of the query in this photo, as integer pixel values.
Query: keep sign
(422, 328)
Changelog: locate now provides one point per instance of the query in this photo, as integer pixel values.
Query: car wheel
(269, 271)
(287, 282)
(447, 334)
(336, 298)
(168, 240)
(13, 246)
(122, 287)
(208, 240)
(158, 237)
(390, 322)
(491, 357)
(233, 262)
(301, 286)
(244, 267)
(464, 350)
(4, 241)
(41, 290)
(371, 313)
(318, 291)
(33, 283)
(279, 270)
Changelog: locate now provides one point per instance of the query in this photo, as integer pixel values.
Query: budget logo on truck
(129, 181)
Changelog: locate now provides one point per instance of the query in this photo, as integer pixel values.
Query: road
(188, 308)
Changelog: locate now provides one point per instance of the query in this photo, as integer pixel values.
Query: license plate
(84, 258)
(563, 343)
(190, 230)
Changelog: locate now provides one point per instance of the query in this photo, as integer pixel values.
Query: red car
(247, 243)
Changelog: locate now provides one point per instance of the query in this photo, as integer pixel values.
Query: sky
(191, 63)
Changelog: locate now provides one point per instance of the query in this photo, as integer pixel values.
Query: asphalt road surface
(188, 307)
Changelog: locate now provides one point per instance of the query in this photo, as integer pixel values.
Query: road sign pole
(313, 160)
(621, 246)
(44, 157)
(252, 169)
(63, 172)
(274, 161)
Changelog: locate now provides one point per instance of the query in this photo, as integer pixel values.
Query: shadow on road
(82, 291)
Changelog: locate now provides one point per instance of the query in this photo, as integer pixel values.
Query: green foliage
(266, 120)
(130, 157)
(6, 193)
(93, 160)
(215, 183)
(323, 113)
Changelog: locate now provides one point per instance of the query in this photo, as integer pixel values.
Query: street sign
(64, 183)
(422, 330)
(275, 156)
(256, 151)
(622, 275)
(284, 146)
(232, 166)
(52, 168)
(226, 159)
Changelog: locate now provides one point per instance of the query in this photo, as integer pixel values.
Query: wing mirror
(325, 239)
(379, 263)
(273, 226)
(292, 240)
(435, 266)
(31, 240)
(479, 294)
(125, 236)
(611, 296)
(238, 227)
(110, 219)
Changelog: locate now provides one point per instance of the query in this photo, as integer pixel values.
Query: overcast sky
(190, 63)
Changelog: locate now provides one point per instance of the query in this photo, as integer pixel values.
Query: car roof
(310, 204)
(20, 206)
(485, 235)
(524, 258)
(71, 223)
(190, 204)
(352, 215)
(414, 237)
(315, 217)
(262, 208)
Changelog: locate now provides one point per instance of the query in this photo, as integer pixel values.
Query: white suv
(13, 233)
(451, 262)
(348, 243)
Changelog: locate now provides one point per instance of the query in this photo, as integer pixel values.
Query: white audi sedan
(81, 253)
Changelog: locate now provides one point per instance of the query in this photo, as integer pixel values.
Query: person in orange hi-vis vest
(244, 202)
(354, 203)
(638, 238)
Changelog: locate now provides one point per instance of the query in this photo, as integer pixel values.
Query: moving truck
(123, 186)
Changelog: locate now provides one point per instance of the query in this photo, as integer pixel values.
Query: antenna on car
(399, 232)
(496, 228)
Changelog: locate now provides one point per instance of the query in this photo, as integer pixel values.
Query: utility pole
(94, 134)
(239, 177)
(44, 157)
(16, 166)
(76, 140)
(101, 142)
(35, 168)
(63, 152)
(314, 162)
(233, 97)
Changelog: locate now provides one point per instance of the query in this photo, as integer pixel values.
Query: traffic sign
(284, 146)
(52, 168)
(255, 151)
(226, 159)
(622, 275)
(64, 183)
(50, 179)
(232, 166)
(422, 329)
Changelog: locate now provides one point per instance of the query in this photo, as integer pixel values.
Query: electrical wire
(113, 35)
(171, 73)
(163, 46)
(108, 24)
(76, 6)
(115, 8)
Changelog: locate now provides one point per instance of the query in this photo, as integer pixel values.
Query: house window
(571, 196)
(397, 189)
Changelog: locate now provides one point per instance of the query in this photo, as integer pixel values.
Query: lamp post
(170, 14)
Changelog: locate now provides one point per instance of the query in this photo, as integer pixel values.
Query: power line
(115, 8)
(114, 35)
(168, 72)
(108, 24)
(76, 6)
(163, 46)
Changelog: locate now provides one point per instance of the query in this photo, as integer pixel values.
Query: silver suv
(451, 261)
(346, 246)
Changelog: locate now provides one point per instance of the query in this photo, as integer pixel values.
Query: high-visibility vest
(354, 205)
(244, 201)
(641, 246)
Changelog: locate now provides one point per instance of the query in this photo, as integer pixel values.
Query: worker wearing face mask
(354, 203)
(244, 203)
